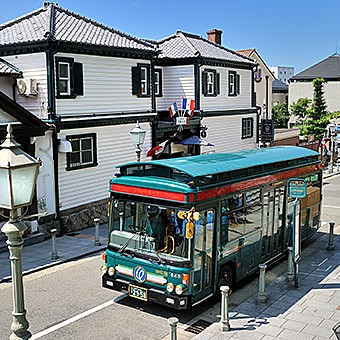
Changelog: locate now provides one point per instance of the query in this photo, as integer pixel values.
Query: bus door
(203, 253)
(273, 222)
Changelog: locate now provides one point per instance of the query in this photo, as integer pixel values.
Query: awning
(194, 140)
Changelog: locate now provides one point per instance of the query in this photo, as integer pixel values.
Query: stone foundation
(83, 217)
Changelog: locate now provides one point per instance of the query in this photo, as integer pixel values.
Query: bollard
(290, 265)
(173, 328)
(262, 296)
(54, 255)
(330, 245)
(224, 323)
(96, 232)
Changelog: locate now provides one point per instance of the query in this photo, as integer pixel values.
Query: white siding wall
(223, 101)
(225, 133)
(33, 66)
(114, 147)
(178, 81)
(305, 90)
(107, 87)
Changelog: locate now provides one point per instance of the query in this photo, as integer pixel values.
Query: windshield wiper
(124, 246)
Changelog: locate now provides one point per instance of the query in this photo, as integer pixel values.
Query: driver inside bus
(159, 221)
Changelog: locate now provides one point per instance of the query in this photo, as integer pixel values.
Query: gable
(24, 122)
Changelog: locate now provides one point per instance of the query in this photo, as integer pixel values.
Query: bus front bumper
(154, 295)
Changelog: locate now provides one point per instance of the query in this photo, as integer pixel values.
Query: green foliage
(301, 107)
(280, 115)
(316, 117)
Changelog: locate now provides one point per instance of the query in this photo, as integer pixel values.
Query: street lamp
(138, 138)
(18, 175)
(332, 135)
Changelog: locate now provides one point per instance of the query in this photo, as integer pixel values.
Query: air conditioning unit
(27, 87)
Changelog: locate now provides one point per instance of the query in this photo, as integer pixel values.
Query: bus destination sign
(297, 188)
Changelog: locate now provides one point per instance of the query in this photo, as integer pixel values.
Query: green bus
(181, 228)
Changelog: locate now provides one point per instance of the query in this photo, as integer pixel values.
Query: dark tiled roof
(279, 85)
(7, 69)
(55, 23)
(185, 45)
(328, 68)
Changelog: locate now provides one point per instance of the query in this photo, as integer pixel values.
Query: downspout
(197, 82)
(52, 118)
(267, 93)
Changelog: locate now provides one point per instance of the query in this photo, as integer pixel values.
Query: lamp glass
(23, 184)
(5, 199)
(138, 135)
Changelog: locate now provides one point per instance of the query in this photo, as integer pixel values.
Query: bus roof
(203, 165)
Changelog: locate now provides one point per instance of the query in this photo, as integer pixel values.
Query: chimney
(215, 36)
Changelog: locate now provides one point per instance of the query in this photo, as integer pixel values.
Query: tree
(301, 107)
(280, 115)
(317, 117)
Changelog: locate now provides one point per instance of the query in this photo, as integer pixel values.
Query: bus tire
(226, 278)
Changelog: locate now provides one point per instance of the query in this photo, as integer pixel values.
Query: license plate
(138, 292)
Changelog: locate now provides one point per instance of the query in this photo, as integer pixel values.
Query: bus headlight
(103, 269)
(111, 271)
(170, 287)
(179, 289)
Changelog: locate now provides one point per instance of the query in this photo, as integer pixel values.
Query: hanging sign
(297, 188)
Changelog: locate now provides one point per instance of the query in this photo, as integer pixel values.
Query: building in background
(263, 78)
(283, 73)
(279, 92)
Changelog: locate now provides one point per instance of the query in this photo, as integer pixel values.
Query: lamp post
(138, 138)
(332, 135)
(18, 175)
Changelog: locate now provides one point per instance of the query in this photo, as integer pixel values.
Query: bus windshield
(144, 229)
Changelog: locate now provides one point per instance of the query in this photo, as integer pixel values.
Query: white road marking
(73, 319)
(321, 263)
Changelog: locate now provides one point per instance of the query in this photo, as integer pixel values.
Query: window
(247, 127)
(210, 83)
(158, 82)
(141, 80)
(234, 84)
(69, 76)
(84, 151)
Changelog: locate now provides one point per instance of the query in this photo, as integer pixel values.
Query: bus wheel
(225, 279)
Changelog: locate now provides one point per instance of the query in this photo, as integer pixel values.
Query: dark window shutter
(217, 84)
(136, 80)
(160, 79)
(205, 83)
(237, 80)
(78, 81)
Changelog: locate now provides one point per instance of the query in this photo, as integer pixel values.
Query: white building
(283, 73)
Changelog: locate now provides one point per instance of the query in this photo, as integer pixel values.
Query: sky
(296, 33)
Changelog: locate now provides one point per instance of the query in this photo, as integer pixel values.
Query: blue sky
(295, 33)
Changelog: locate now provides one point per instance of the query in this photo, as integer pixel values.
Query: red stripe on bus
(253, 182)
(173, 196)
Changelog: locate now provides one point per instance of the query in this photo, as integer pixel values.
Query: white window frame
(247, 127)
(67, 79)
(210, 83)
(157, 80)
(144, 81)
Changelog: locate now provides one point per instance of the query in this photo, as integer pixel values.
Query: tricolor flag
(189, 105)
(173, 109)
(158, 149)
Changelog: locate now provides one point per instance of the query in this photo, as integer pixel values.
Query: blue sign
(139, 273)
(297, 188)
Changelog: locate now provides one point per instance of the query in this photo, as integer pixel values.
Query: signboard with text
(297, 188)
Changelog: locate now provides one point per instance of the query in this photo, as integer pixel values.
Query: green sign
(297, 188)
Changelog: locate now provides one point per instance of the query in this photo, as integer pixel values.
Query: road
(67, 301)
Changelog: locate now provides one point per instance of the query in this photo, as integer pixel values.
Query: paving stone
(290, 335)
(308, 319)
(318, 331)
(294, 325)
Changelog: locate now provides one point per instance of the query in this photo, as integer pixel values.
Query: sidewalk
(307, 312)
(69, 247)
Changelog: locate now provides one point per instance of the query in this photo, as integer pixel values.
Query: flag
(173, 109)
(189, 105)
(158, 149)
